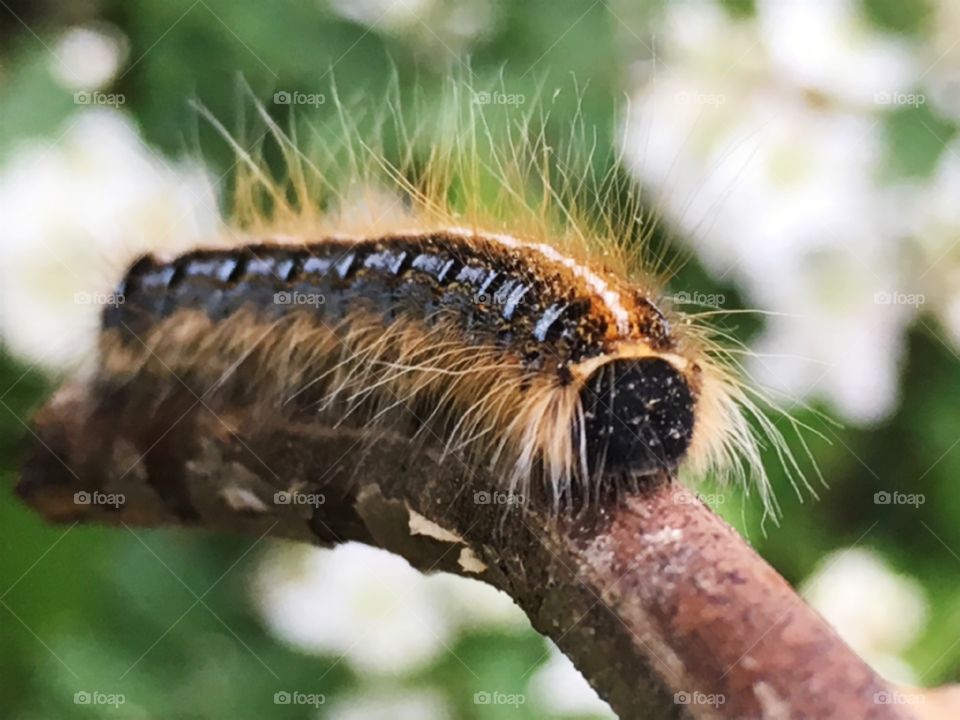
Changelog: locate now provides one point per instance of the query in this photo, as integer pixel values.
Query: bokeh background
(802, 157)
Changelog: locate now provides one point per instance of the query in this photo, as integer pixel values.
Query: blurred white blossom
(475, 605)
(828, 46)
(398, 705)
(877, 611)
(372, 607)
(560, 688)
(356, 601)
(767, 155)
(385, 14)
(76, 212)
(941, 76)
(435, 24)
(934, 213)
(86, 58)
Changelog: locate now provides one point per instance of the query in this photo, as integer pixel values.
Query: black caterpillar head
(638, 417)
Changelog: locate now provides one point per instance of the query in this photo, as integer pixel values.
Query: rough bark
(662, 606)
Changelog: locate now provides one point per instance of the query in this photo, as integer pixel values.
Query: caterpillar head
(638, 416)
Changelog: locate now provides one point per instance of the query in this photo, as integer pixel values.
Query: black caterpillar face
(638, 417)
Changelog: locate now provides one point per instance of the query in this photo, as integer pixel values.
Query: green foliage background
(99, 598)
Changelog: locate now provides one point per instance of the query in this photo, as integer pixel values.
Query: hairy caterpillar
(466, 294)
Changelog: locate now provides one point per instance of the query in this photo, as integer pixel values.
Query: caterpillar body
(499, 337)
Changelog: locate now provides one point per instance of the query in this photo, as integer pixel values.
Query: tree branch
(662, 606)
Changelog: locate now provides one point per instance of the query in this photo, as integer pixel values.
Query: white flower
(878, 612)
(432, 26)
(935, 233)
(76, 212)
(356, 601)
(777, 187)
(829, 46)
(372, 607)
(941, 75)
(385, 14)
(560, 688)
(86, 58)
(473, 604)
(398, 705)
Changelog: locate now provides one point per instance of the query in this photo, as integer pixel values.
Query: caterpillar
(467, 295)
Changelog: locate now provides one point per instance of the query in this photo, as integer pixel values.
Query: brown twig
(662, 606)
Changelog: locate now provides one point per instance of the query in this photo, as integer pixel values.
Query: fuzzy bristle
(406, 333)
